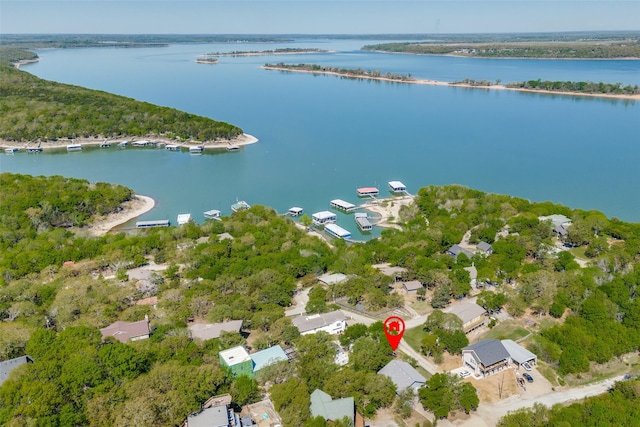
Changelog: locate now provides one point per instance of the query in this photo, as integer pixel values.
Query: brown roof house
(207, 331)
(127, 331)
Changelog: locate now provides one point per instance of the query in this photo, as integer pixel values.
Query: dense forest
(577, 87)
(556, 50)
(249, 266)
(35, 109)
(345, 72)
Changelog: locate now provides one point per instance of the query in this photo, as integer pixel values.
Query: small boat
(172, 147)
(240, 206)
(74, 147)
(105, 144)
(213, 214)
(34, 149)
(196, 150)
(123, 144)
(233, 147)
(11, 150)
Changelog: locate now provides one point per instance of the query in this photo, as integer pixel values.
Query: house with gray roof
(519, 354)
(403, 375)
(456, 250)
(472, 315)
(7, 366)
(412, 286)
(484, 248)
(332, 279)
(333, 323)
(216, 412)
(332, 410)
(207, 331)
(486, 357)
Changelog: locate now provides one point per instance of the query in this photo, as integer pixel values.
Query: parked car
(464, 374)
(528, 377)
(526, 366)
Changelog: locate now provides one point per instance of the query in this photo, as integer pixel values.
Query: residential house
(456, 250)
(388, 270)
(490, 356)
(127, 331)
(472, 315)
(268, 356)
(485, 357)
(333, 323)
(484, 248)
(207, 331)
(403, 375)
(332, 279)
(238, 361)
(7, 366)
(412, 286)
(332, 410)
(216, 412)
(561, 230)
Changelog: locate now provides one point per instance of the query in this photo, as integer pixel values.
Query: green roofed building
(238, 361)
(332, 410)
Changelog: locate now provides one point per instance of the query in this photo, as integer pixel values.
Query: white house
(333, 323)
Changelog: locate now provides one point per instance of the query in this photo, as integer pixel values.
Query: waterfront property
(342, 205)
(142, 143)
(74, 147)
(363, 222)
(337, 231)
(213, 214)
(332, 323)
(123, 144)
(233, 147)
(240, 206)
(153, 223)
(295, 211)
(184, 218)
(324, 217)
(397, 187)
(368, 192)
(34, 149)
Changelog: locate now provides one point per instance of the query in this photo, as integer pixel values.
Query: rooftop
(489, 352)
(235, 355)
(332, 279)
(555, 219)
(484, 246)
(323, 406)
(518, 353)
(309, 323)
(412, 285)
(7, 366)
(207, 331)
(402, 374)
(267, 357)
(216, 416)
(125, 331)
(467, 311)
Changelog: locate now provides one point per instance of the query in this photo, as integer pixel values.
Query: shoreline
(264, 53)
(131, 209)
(463, 85)
(456, 55)
(240, 140)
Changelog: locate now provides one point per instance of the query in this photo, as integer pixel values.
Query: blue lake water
(321, 137)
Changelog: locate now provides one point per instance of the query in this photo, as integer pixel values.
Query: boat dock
(153, 223)
(342, 205)
(337, 231)
(184, 218)
(11, 150)
(34, 149)
(324, 217)
(363, 222)
(368, 192)
(295, 211)
(172, 147)
(74, 147)
(213, 214)
(398, 187)
(198, 149)
(240, 206)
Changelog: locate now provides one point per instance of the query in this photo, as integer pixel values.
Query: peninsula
(280, 51)
(591, 89)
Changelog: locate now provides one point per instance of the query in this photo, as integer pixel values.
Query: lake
(321, 137)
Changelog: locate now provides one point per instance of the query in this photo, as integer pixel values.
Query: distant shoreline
(241, 140)
(541, 58)
(463, 85)
(266, 53)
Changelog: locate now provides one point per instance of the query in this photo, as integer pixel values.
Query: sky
(314, 16)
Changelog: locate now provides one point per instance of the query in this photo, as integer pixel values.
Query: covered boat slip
(154, 223)
(324, 217)
(212, 214)
(397, 187)
(184, 218)
(363, 222)
(295, 211)
(337, 231)
(342, 205)
(367, 192)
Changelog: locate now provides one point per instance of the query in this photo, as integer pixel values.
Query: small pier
(337, 231)
(363, 222)
(153, 223)
(240, 206)
(142, 143)
(324, 217)
(342, 205)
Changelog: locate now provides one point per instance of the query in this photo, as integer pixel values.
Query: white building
(333, 323)
(324, 217)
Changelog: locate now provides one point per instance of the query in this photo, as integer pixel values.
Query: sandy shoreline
(463, 85)
(132, 209)
(243, 139)
(388, 209)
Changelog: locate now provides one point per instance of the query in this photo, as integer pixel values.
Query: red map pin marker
(394, 329)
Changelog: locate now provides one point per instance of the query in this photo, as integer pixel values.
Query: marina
(183, 218)
(368, 192)
(240, 206)
(324, 217)
(213, 214)
(74, 147)
(342, 205)
(153, 223)
(363, 222)
(337, 231)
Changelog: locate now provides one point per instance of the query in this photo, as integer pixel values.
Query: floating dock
(152, 224)
(123, 144)
(363, 222)
(196, 150)
(342, 205)
(212, 214)
(397, 187)
(11, 150)
(295, 211)
(172, 147)
(34, 149)
(240, 206)
(368, 192)
(184, 218)
(324, 217)
(74, 147)
(142, 143)
(337, 231)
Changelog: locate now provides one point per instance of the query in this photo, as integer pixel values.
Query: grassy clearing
(548, 372)
(629, 363)
(422, 307)
(507, 330)
(414, 336)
